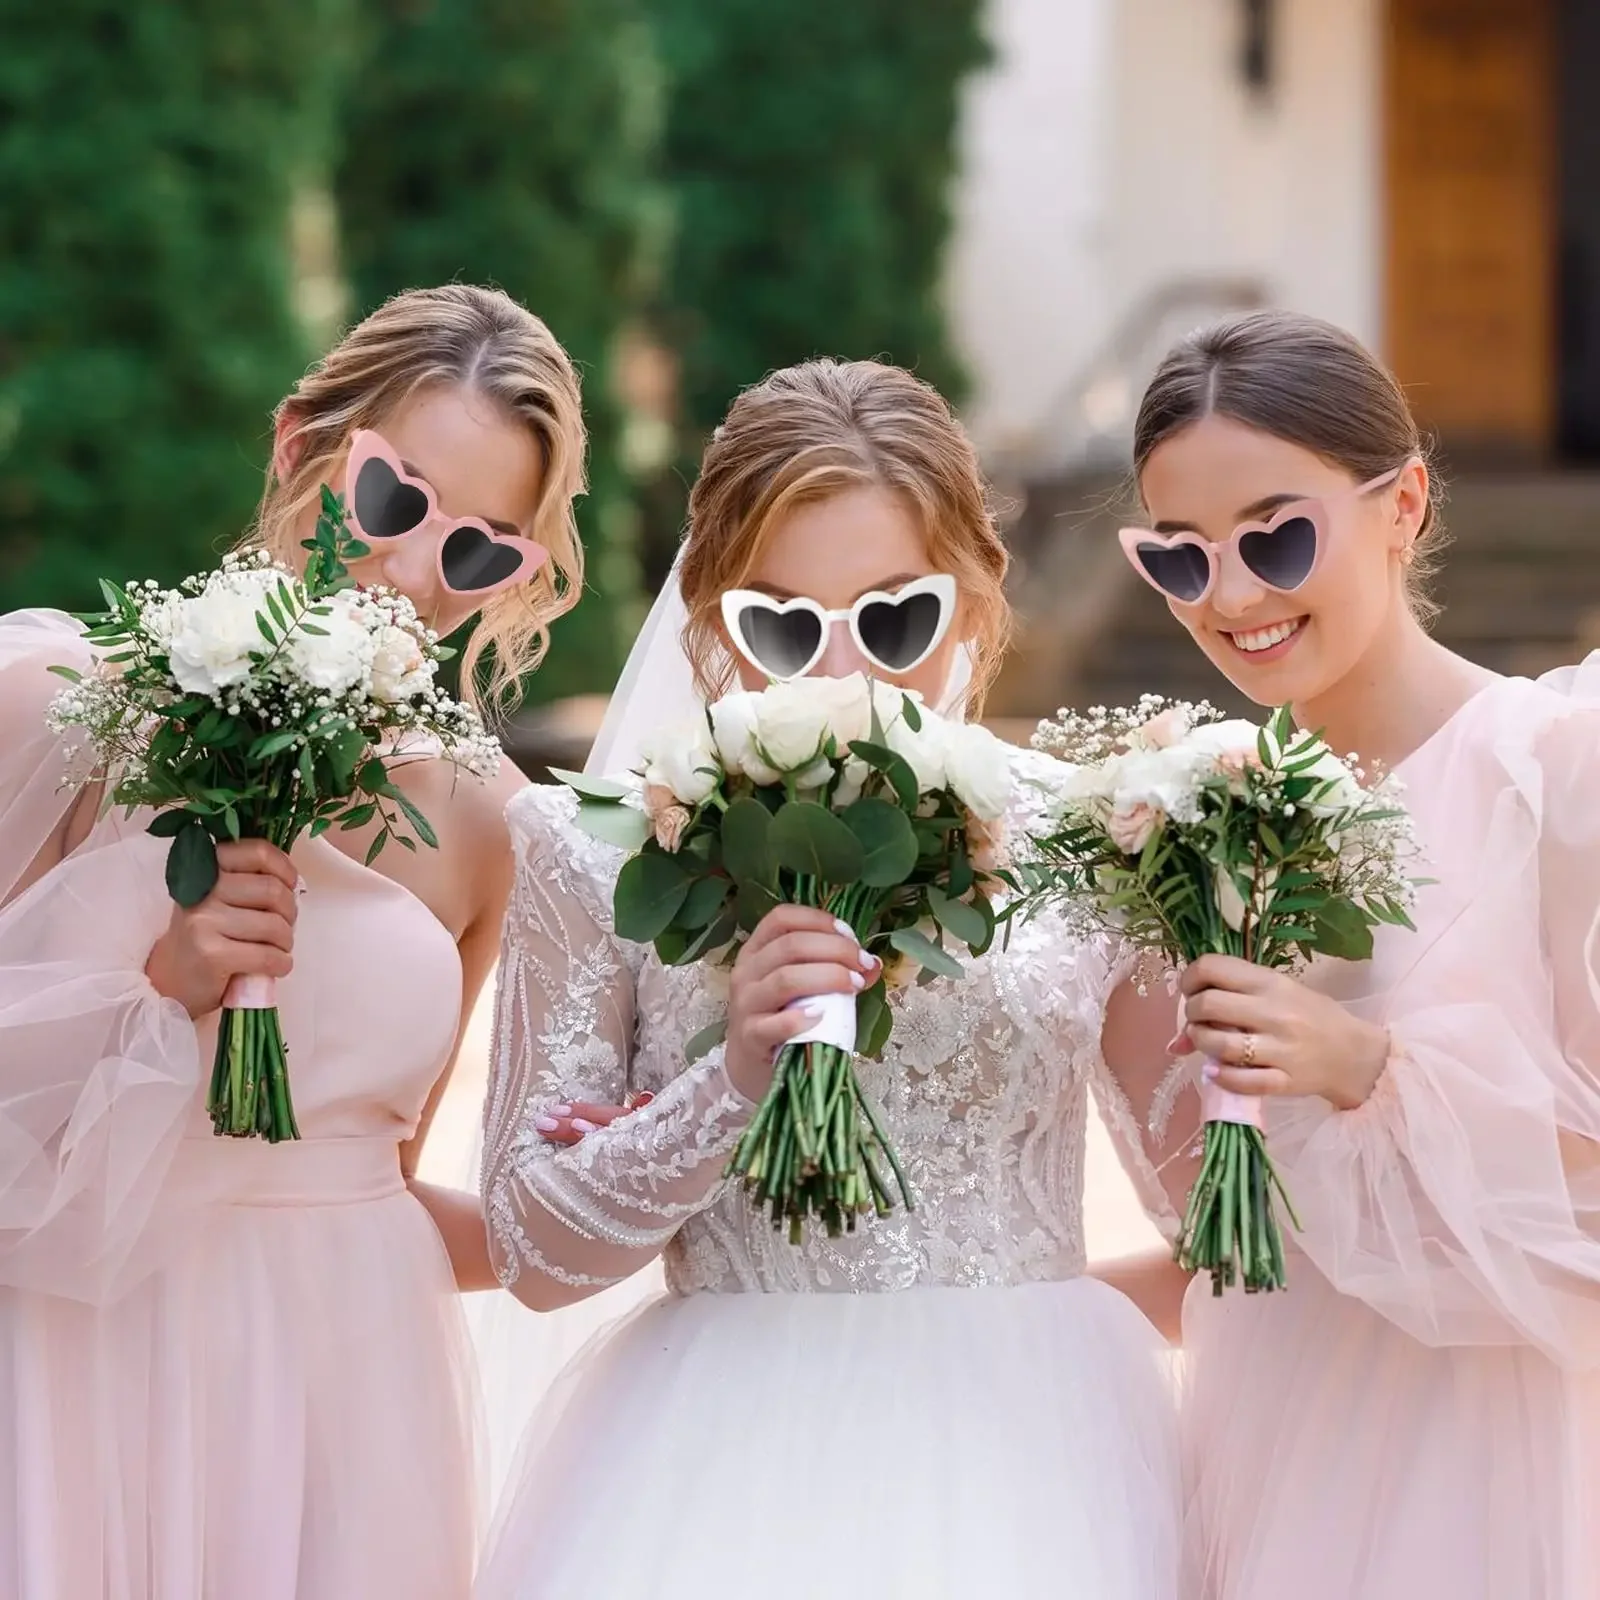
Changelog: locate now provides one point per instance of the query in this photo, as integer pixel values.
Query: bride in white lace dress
(942, 1403)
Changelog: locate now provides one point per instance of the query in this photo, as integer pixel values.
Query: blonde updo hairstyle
(815, 430)
(455, 336)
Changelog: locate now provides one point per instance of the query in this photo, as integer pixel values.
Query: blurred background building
(1027, 200)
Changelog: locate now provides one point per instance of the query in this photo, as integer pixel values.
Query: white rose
(852, 780)
(1346, 793)
(923, 750)
(733, 723)
(684, 761)
(339, 656)
(1225, 738)
(212, 637)
(978, 769)
(400, 671)
(793, 720)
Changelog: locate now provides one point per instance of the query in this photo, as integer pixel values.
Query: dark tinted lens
(1182, 571)
(898, 633)
(471, 560)
(1282, 558)
(783, 642)
(383, 505)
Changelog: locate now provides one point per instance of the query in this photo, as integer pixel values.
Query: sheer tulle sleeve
(1462, 1201)
(565, 1222)
(98, 1072)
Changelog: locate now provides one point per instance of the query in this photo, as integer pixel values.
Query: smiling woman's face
(835, 550)
(1283, 647)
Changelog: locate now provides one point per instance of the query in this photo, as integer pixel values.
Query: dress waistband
(297, 1172)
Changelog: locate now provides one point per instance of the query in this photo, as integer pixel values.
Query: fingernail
(580, 1126)
(857, 980)
(560, 1111)
(643, 1099)
(546, 1124)
(811, 1013)
(1209, 1072)
(842, 927)
(1174, 1044)
(868, 960)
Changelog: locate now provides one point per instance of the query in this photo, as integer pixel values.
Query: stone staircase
(1520, 589)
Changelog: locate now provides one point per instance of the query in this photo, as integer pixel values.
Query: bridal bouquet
(1191, 836)
(833, 793)
(253, 703)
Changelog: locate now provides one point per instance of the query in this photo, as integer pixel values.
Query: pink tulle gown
(227, 1370)
(1419, 1415)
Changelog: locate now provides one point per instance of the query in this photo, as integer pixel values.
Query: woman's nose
(841, 658)
(1237, 589)
(411, 566)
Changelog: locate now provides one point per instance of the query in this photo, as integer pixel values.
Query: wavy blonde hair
(475, 339)
(812, 431)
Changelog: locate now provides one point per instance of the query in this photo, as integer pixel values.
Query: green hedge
(509, 142)
(810, 148)
(149, 155)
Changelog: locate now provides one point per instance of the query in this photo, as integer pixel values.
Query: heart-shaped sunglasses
(385, 502)
(1280, 553)
(894, 631)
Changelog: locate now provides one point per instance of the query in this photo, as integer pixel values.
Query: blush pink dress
(227, 1370)
(1419, 1415)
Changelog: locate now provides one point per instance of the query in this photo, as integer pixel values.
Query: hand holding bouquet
(832, 793)
(251, 703)
(1192, 836)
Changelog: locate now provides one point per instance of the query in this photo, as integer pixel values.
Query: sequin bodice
(984, 1088)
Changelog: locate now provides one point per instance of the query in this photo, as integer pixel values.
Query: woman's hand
(1272, 1035)
(794, 953)
(568, 1124)
(245, 925)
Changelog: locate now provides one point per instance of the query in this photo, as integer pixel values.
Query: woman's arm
(1155, 1283)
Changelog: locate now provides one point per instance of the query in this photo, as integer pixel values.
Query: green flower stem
(1230, 1226)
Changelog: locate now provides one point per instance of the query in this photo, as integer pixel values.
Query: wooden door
(1470, 143)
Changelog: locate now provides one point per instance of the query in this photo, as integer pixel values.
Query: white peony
(213, 635)
(339, 656)
(684, 761)
(793, 720)
(977, 766)
(400, 671)
(733, 724)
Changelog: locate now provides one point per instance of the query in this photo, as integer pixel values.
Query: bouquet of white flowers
(826, 792)
(253, 703)
(1193, 836)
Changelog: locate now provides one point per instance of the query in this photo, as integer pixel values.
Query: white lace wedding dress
(937, 1405)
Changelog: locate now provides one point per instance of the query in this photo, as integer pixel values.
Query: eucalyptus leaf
(888, 841)
(958, 919)
(746, 842)
(703, 902)
(704, 1042)
(590, 788)
(191, 864)
(874, 1020)
(810, 839)
(650, 888)
(622, 826)
(755, 900)
(894, 767)
(1342, 931)
(929, 956)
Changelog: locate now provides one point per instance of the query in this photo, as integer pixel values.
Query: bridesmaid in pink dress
(232, 1370)
(1419, 1414)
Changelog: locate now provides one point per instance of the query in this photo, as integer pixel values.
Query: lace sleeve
(567, 1221)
